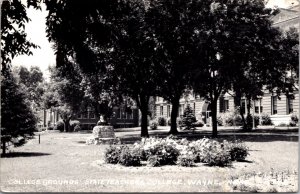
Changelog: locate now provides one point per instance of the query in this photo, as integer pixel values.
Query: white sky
(43, 57)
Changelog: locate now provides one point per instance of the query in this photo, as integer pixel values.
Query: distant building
(280, 109)
(88, 119)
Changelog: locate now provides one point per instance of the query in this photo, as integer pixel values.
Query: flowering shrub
(168, 151)
(112, 155)
(129, 157)
(186, 159)
(163, 148)
(215, 154)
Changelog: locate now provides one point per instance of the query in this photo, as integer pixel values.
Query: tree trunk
(66, 125)
(3, 147)
(213, 107)
(144, 124)
(144, 102)
(174, 113)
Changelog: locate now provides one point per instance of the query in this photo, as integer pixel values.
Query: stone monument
(103, 133)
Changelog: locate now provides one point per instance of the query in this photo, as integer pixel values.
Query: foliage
(73, 124)
(230, 119)
(112, 154)
(294, 120)
(13, 36)
(266, 119)
(162, 121)
(216, 154)
(186, 160)
(238, 151)
(198, 124)
(31, 82)
(129, 157)
(188, 118)
(17, 118)
(153, 124)
(59, 126)
(249, 121)
(77, 128)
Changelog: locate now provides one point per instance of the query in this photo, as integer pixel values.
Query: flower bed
(169, 151)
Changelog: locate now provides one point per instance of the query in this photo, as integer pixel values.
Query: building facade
(279, 108)
(88, 119)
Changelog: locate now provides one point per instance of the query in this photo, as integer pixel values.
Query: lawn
(63, 163)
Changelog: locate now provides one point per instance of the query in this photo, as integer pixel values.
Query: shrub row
(168, 151)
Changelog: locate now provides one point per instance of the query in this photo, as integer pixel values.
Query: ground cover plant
(171, 151)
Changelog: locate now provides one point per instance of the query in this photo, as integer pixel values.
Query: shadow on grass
(230, 136)
(23, 154)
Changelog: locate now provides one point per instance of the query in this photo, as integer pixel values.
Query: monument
(103, 133)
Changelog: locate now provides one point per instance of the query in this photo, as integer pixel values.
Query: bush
(294, 120)
(73, 124)
(77, 128)
(229, 119)
(59, 126)
(238, 151)
(112, 155)
(249, 122)
(198, 124)
(129, 157)
(154, 160)
(215, 154)
(162, 121)
(50, 127)
(188, 118)
(186, 160)
(153, 124)
(266, 119)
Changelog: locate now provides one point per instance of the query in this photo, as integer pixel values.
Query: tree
(188, 118)
(108, 40)
(32, 82)
(65, 94)
(174, 25)
(13, 36)
(242, 51)
(17, 118)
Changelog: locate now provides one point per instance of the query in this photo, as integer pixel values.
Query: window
(85, 115)
(79, 116)
(120, 113)
(274, 104)
(257, 107)
(161, 111)
(224, 104)
(130, 115)
(92, 114)
(289, 104)
(168, 110)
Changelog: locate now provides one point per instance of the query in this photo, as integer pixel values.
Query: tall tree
(17, 117)
(174, 25)
(32, 82)
(242, 51)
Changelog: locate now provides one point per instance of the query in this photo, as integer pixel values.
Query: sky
(44, 56)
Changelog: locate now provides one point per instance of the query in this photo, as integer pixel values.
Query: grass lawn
(63, 163)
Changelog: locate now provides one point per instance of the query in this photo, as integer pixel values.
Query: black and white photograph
(149, 96)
